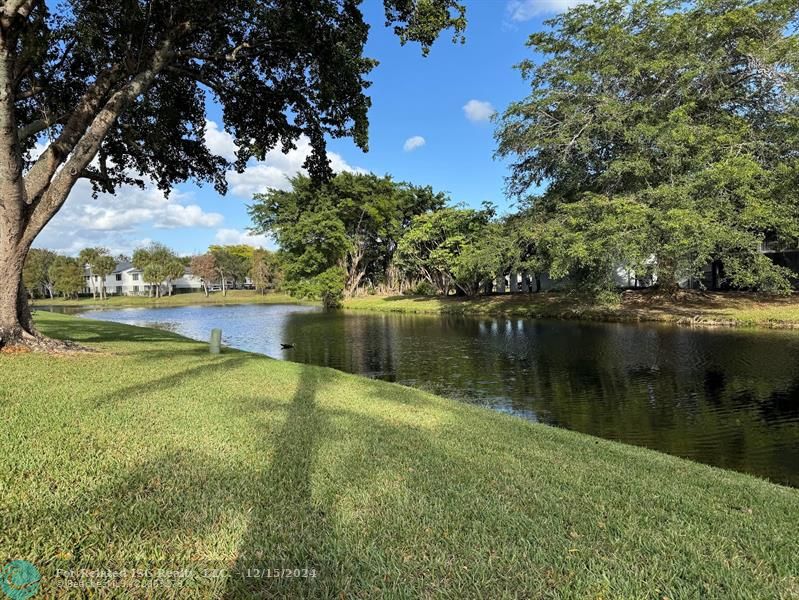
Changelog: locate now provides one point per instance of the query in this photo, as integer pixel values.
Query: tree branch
(86, 149)
(12, 8)
(196, 76)
(38, 177)
(37, 126)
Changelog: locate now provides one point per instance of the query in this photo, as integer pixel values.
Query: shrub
(328, 287)
(423, 288)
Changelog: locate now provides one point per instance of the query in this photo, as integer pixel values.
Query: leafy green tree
(89, 258)
(67, 274)
(525, 245)
(230, 264)
(104, 265)
(448, 248)
(479, 258)
(243, 251)
(329, 287)
(354, 221)
(117, 92)
(36, 274)
(159, 265)
(174, 269)
(662, 130)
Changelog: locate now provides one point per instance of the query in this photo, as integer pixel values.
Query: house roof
(125, 265)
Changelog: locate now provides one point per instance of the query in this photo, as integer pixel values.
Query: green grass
(734, 309)
(151, 453)
(190, 299)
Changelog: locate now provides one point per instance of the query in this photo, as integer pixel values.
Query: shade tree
(230, 264)
(104, 266)
(37, 275)
(448, 248)
(661, 132)
(88, 257)
(159, 265)
(116, 93)
(353, 222)
(67, 274)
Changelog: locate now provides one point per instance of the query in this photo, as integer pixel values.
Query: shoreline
(688, 309)
(694, 309)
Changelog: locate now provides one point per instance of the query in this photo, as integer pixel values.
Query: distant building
(127, 280)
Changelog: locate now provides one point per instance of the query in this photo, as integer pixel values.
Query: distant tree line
(47, 274)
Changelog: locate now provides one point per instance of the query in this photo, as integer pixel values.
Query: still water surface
(724, 397)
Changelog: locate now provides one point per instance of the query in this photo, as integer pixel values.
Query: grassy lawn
(152, 454)
(193, 298)
(689, 307)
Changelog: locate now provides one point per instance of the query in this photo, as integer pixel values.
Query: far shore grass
(188, 299)
(149, 453)
(730, 309)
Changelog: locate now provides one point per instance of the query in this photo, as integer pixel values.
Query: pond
(724, 397)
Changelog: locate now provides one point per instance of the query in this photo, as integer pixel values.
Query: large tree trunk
(353, 281)
(28, 201)
(16, 324)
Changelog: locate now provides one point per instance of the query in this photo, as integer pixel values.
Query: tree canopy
(158, 264)
(37, 275)
(451, 247)
(662, 130)
(353, 223)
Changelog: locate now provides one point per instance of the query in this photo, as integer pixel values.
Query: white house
(127, 280)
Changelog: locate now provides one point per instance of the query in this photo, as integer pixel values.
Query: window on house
(135, 277)
(119, 289)
(119, 276)
(135, 288)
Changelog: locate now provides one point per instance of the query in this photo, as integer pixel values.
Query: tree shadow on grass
(280, 555)
(377, 501)
(219, 365)
(95, 331)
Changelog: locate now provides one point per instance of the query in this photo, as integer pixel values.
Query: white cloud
(478, 110)
(274, 171)
(258, 178)
(412, 143)
(113, 220)
(230, 237)
(524, 10)
(219, 142)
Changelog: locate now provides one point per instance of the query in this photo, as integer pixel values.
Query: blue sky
(429, 125)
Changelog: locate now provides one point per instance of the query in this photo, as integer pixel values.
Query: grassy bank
(191, 299)
(151, 453)
(733, 309)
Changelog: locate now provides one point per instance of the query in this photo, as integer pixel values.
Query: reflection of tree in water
(725, 398)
